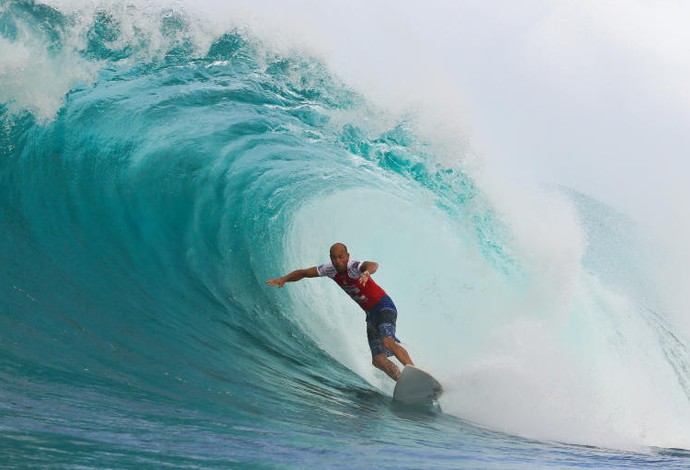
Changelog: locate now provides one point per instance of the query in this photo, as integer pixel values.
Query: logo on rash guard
(366, 296)
(353, 291)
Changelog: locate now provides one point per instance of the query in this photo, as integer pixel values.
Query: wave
(155, 172)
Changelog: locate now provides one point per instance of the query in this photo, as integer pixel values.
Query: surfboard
(416, 387)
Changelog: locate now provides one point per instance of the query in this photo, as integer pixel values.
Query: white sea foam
(36, 80)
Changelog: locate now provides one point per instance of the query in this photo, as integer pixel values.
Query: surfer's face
(339, 258)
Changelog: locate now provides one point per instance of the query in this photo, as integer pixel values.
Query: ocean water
(155, 171)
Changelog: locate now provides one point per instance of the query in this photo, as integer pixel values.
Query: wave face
(153, 175)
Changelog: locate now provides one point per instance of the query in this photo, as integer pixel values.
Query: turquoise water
(150, 184)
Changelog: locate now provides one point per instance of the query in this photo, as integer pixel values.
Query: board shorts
(381, 324)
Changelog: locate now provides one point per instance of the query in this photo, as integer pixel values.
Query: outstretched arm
(296, 275)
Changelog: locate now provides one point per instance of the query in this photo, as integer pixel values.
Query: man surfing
(354, 277)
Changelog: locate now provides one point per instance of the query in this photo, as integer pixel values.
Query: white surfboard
(416, 387)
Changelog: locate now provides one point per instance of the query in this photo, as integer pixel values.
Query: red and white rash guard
(366, 295)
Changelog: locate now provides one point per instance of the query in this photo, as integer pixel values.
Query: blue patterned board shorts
(381, 324)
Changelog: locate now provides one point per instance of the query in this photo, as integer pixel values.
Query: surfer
(354, 277)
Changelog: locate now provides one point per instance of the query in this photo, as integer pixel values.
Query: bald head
(339, 257)
(338, 247)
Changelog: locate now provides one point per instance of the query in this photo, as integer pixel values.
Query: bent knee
(379, 360)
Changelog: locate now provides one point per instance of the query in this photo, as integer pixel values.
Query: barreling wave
(154, 173)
